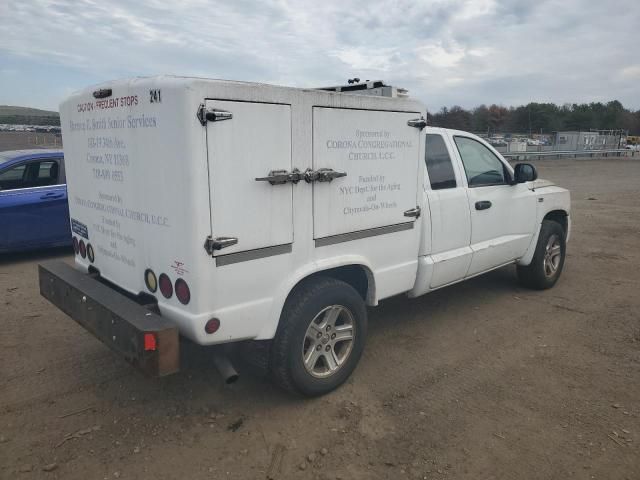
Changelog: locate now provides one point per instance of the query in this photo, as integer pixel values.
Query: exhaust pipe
(223, 365)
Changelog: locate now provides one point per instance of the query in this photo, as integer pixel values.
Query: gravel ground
(481, 380)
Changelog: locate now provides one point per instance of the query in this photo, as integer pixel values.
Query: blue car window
(12, 174)
(39, 173)
(47, 173)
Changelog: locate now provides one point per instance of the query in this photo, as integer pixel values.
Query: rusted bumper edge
(145, 339)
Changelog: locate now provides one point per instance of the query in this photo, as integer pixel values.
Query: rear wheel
(548, 260)
(320, 337)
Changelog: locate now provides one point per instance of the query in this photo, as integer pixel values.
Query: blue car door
(36, 213)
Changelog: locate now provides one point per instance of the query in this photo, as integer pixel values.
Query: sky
(446, 52)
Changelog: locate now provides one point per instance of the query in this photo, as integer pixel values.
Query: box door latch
(212, 244)
(279, 177)
(205, 115)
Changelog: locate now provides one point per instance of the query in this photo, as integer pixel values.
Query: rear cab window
(439, 166)
(481, 165)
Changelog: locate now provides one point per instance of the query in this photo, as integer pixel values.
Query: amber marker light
(150, 280)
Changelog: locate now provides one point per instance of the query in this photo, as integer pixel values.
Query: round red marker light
(212, 325)
(182, 291)
(90, 253)
(83, 249)
(165, 286)
(76, 246)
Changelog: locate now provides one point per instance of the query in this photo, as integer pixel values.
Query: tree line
(538, 118)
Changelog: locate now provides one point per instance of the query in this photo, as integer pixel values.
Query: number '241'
(155, 96)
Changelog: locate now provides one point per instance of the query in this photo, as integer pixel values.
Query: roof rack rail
(368, 87)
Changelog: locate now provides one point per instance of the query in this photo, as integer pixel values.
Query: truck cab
(222, 211)
(483, 213)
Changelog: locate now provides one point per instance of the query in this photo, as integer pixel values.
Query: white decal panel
(379, 153)
(124, 159)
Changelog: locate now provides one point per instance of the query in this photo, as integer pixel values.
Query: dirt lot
(483, 380)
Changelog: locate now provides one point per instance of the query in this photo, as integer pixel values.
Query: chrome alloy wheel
(552, 255)
(328, 341)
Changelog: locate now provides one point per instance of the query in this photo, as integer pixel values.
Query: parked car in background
(34, 212)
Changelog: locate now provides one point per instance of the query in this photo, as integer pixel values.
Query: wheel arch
(558, 215)
(355, 272)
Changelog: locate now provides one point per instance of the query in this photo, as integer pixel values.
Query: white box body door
(255, 141)
(379, 153)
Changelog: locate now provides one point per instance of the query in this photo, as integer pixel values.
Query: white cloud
(439, 56)
(632, 73)
(365, 59)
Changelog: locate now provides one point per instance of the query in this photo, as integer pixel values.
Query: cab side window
(40, 173)
(439, 164)
(481, 166)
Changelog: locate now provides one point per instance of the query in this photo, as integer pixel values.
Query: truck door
(450, 218)
(371, 160)
(246, 141)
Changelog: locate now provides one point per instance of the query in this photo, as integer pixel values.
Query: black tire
(538, 274)
(304, 305)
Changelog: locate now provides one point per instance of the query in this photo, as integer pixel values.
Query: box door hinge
(414, 212)
(212, 244)
(419, 123)
(205, 115)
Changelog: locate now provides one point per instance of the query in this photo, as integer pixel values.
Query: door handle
(483, 205)
(322, 175)
(279, 177)
(51, 195)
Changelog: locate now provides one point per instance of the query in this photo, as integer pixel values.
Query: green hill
(28, 116)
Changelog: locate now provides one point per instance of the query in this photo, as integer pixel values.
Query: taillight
(182, 291)
(165, 286)
(83, 249)
(212, 325)
(150, 280)
(150, 342)
(76, 247)
(90, 253)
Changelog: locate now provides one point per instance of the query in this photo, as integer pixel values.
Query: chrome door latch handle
(279, 177)
(414, 212)
(322, 175)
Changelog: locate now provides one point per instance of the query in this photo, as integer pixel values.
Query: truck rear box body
(183, 177)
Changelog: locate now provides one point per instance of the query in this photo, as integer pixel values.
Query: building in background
(592, 140)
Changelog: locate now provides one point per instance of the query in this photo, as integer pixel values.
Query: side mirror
(524, 172)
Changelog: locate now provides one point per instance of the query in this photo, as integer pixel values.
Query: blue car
(34, 212)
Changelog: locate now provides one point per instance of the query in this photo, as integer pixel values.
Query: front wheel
(320, 337)
(548, 260)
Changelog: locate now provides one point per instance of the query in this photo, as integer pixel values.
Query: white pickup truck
(222, 211)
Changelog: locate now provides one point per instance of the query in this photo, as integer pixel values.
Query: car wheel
(320, 337)
(548, 260)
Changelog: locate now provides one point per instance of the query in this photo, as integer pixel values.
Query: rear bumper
(145, 339)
